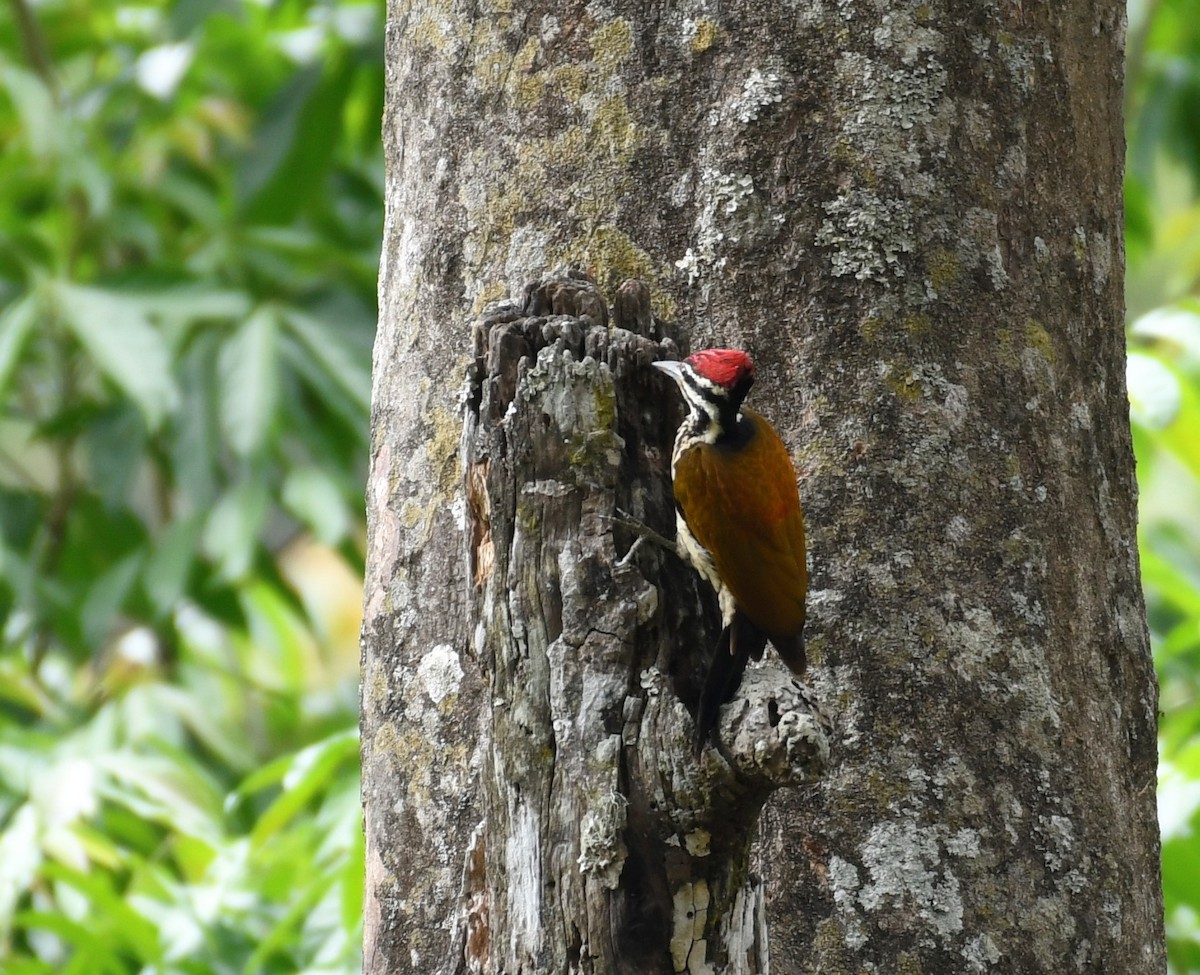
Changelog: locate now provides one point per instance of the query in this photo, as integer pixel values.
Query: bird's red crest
(725, 367)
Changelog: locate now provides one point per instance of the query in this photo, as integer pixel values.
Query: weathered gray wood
(910, 214)
(606, 846)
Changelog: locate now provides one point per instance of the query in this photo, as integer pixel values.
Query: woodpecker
(738, 521)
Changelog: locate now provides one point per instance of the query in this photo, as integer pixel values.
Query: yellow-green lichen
(405, 749)
(917, 324)
(706, 35)
(908, 964)
(944, 269)
(443, 447)
(528, 516)
(411, 514)
(377, 692)
(569, 82)
(1036, 337)
(611, 44)
(492, 290)
(613, 133)
(612, 257)
(605, 399)
(869, 327)
(527, 85)
(434, 30)
(905, 385)
(829, 945)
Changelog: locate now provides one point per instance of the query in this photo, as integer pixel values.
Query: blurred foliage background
(190, 221)
(190, 225)
(1162, 202)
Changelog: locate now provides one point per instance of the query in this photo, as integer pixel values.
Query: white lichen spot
(958, 529)
(759, 90)
(601, 849)
(698, 843)
(981, 953)
(900, 32)
(1041, 249)
(1030, 613)
(728, 212)
(527, 256)
(1059, 836)
(894, 115)
(440, 672)
(843, 881)
(963, 843)
(903, 861)
(1017, 57)
(867, 234)
(731, 190)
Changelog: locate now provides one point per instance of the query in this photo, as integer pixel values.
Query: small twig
(644, 532)
(34, 42)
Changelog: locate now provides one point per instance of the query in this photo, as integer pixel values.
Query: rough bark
(910, 214)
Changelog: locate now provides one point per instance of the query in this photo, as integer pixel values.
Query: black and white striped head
(713, 382)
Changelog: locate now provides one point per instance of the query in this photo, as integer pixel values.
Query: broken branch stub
(605, 839)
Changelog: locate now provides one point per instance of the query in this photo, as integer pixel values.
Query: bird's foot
(643, 532)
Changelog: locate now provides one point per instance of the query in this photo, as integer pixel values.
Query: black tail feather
(791, 652)
(739, 641)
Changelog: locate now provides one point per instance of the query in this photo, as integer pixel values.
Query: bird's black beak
(671, 368)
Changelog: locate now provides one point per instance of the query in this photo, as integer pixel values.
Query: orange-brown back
(742, 505)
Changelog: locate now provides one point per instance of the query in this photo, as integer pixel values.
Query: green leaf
(194, 449)
(231, 532)
(192, 302)
(335, 353)
(248, 376)
(123, 345)
(116, 448)
(105, 599)
(312, 772)
(312, 496)
(40, 121)
(275, 139)
(170, 789)
(16, 322)
(169, 565)
(353, 874)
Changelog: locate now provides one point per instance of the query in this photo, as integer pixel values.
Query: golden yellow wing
(741, 503)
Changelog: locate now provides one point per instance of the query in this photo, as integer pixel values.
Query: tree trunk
(911, 215)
